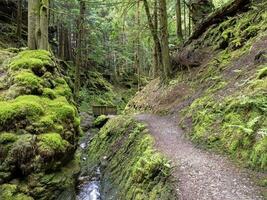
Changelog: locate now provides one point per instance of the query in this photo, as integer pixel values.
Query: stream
(89, 183)
(92, 185)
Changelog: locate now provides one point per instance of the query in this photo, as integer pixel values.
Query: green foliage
(98, 91)
(133, 165)
(100, 121)
(242, 123)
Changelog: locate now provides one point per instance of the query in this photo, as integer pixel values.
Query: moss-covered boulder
(39, 125)
(129, 162)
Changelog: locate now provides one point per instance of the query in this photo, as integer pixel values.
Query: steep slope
(39, 127)
(221, 100)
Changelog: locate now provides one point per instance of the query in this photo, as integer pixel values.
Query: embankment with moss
(222, 100)
(39, 127)
(124, 150)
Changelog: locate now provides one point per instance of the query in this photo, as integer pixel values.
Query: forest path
(200, 175)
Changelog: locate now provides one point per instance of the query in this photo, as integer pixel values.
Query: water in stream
(89, 187)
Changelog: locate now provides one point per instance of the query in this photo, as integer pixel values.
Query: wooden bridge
(104, 110)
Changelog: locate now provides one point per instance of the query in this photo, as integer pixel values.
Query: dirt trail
(201, 175)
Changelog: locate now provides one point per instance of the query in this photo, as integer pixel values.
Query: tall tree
(19, 18)
(164, 39)
(153, 30)
(184, 19)
(44, 9)
(179, 20)
(33, 12)
(137, 51)
(79, 58)
(156, 67)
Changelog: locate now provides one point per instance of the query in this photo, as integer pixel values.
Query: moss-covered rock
(129, 162)
(100, 121)
(39, 125)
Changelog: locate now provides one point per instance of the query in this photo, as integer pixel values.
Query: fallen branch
(219, 15)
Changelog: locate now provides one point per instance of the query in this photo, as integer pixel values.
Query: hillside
(221, 102)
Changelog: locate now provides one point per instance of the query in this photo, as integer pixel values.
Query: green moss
(63, 90)
(26, 78)
(50, 143)
(100, 121)
(6, 138)
(61, 109)
(233, 125)
(39, 127)
(133, 166)
(11, 192)
(22, 107)
(49, 93)
(31, 59)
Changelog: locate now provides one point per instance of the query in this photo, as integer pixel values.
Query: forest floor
(199, 174)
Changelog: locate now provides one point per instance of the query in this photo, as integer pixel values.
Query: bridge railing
(104, 110)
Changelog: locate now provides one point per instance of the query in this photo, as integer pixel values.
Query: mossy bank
(131, 168)
(39, 127)
(222, 100)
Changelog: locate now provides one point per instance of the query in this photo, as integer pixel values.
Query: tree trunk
(33, 13)
(19, 18)
(38, 24)
(156, 67)
(137, 53)
(189, 24)
(44, 24)
(164, 39)
(185, 28)
(77, 83)
(179, 20)
(218, 16)
(154, 35)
